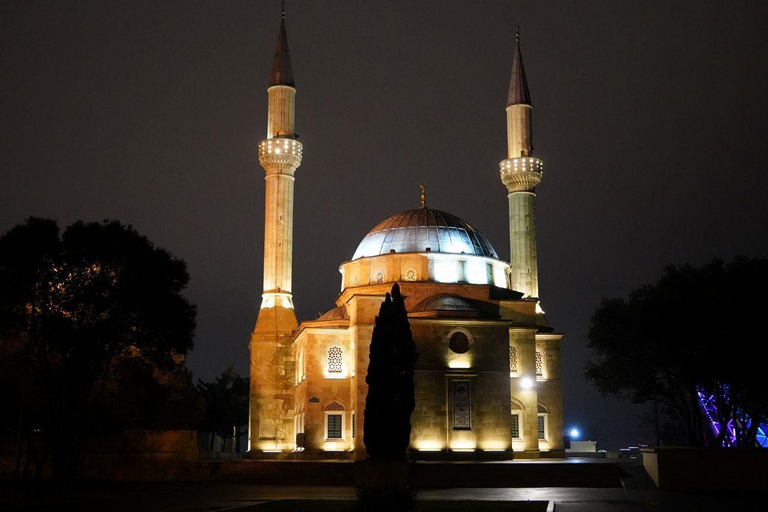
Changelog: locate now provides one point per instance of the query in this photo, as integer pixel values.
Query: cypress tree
(391, 394)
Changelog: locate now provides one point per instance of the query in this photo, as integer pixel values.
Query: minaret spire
(518, 85)
(282, 73)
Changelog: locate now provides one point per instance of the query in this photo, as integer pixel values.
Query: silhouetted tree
(688, 332)
(226, 403)
(87, 311)
(391, 395)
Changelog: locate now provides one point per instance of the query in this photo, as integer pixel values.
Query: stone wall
(707, 469)
(141, 455)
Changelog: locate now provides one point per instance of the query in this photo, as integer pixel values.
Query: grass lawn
(421, 506)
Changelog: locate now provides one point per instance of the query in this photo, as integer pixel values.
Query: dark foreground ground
(637, 494)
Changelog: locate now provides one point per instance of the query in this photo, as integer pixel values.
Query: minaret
(271, 368)
(521, 172)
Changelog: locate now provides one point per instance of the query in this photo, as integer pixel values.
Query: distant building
(488, 375)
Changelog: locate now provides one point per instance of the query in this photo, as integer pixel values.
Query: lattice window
(335, 426)
(513, 361)
(542, 426)
(539, 363)
(515, 426)
(334, 406)
(335, 359)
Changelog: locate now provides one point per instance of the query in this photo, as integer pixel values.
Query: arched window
(542, 422)
(334, 421)
(517, 419)
(335, 363)
(513, 358)
(540, 362)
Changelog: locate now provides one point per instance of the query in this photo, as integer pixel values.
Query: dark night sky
(651, 118)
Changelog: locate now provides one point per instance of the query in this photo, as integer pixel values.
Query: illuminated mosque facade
(487, 379)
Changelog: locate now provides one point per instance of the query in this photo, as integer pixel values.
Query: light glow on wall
(429, 446)
(460, 363)
(499, 276)
(283, 300)
(496, 445)
(463, 446)
(526, 383)
(332, 446)
(446, 271)
(476, 272)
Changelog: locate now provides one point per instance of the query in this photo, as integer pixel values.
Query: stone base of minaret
(272, 379)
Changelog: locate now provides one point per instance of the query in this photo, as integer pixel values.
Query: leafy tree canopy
(86, 316)
(695, 328)
(226, 402)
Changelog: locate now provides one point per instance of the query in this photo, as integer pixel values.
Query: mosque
(487, 379)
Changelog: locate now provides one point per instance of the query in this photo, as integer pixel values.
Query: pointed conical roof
(282, 73)
(518, 85)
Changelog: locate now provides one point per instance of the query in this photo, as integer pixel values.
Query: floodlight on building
(526, 383)
(574, 433)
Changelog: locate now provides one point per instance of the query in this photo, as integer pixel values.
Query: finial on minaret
(517, 28)
(282, 73)
(518, 85)
(423, 195)
(282, 9)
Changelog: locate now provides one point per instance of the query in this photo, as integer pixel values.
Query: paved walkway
(246, 498)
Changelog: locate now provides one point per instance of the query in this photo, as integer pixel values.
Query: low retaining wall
(139, 455)
(707, 469)
(146, 455)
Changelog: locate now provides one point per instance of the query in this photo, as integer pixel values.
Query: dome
(424, 230)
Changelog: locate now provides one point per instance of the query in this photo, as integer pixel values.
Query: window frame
(328, 414)
(514, 346)
(518, 416)
(327, 360)
(543, 374)
(542, 421)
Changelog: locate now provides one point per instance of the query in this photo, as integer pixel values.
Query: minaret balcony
(280, 151)
(521, 173)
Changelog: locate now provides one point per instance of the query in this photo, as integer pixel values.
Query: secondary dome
(424, 230)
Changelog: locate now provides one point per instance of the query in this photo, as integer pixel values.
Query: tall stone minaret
(521, 172)
(271, 368)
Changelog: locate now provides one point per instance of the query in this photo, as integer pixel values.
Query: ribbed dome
(421, 230)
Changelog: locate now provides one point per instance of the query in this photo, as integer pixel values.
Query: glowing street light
(574, 433)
